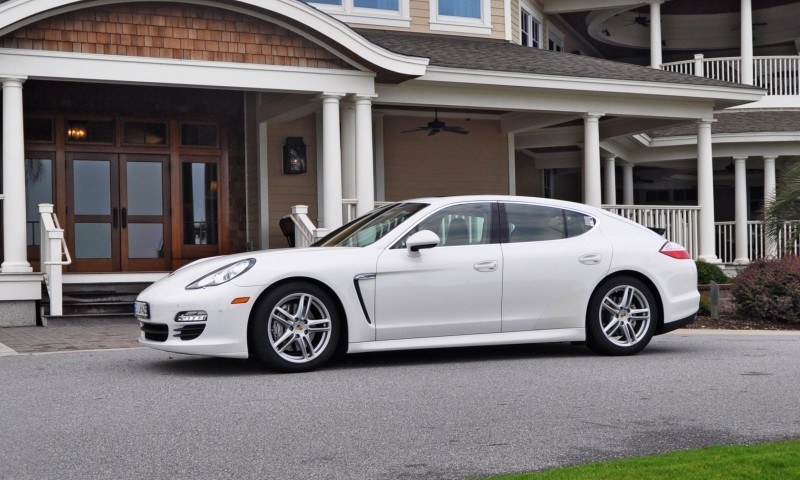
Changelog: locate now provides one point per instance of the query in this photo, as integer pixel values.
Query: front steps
(81, 300)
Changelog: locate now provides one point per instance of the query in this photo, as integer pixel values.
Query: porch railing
(53, 256)
(758, 245)
(349, 208)
(778, 75)
(680, 223)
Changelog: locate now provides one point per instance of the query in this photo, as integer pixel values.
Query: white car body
(392, 298)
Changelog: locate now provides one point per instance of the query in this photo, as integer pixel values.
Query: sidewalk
(71, 334)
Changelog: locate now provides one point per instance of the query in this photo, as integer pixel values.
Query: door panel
(144, 214)
(452, 289)
(547, 279)
(93, 212)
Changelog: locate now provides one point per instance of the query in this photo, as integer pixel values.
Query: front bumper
(223, 334)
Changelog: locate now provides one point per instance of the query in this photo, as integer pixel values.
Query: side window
(533, 223)
(467, 224)
(577, 223)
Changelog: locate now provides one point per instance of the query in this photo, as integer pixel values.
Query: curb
(711, 331)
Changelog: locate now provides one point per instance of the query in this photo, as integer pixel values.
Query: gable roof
(502, 56)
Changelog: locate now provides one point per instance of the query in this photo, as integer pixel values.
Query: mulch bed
(735, 323)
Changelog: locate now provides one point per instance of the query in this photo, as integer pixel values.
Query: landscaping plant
(770, 290)
(706, 272)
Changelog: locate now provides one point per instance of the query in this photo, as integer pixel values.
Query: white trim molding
(18, 13)
(159, 71)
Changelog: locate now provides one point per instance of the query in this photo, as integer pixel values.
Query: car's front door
(452, 289)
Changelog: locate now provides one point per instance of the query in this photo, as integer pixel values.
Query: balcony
(778, 75)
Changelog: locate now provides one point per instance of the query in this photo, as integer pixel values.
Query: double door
(118, 212)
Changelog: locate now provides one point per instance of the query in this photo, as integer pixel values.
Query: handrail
(779, 75)
(53, 249)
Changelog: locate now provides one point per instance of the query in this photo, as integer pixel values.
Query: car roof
(441, 201)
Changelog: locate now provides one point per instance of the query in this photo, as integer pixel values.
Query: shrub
(769, 290)
(705, 306)
(706, 272)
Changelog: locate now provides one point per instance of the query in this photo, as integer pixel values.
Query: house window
(463, 16)
(199, 184)
(555, 39)
(530, 29)
(392, 13)
(38, 189)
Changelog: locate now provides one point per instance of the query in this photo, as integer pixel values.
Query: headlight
(222, 275)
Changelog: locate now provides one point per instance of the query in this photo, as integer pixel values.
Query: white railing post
(680, 223)
(699, 65)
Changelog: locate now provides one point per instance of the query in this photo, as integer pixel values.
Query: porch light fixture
(294, 156)
(76, 133)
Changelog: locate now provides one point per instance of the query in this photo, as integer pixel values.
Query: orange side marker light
(239, 300)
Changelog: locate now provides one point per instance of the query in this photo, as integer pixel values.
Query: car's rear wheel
(622, 317)
(295, 328)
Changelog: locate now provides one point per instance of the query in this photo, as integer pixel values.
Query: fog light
(194, 316)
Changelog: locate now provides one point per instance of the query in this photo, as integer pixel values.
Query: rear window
(537, 223)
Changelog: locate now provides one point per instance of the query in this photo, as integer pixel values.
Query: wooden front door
(118, 212)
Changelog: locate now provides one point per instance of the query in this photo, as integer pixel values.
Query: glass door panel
(93, 211)
(145, 224)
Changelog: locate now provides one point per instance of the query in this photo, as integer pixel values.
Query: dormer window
(463, 16)
(390, 13)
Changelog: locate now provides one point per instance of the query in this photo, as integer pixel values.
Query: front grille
(190, 332)
(157, 332)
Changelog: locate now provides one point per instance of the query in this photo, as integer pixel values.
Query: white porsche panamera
(429, 273)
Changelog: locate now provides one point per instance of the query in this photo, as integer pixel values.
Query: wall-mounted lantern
(294, 156)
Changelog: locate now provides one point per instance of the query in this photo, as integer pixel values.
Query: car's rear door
(554, 258)
(452, 289)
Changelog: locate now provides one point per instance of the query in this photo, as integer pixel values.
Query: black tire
(621, 333)
(299, 337)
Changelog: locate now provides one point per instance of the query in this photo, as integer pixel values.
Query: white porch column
(655, 34)
(332, 158)
(747, 42)
(705, 192)
(770, 249)
(15, 255)
(740, 209)
(365, 172)
(627, 183)
(348, 112)
(377, 144)
(610, 197)
(591, 159)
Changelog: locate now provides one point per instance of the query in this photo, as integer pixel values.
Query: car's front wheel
(295, 328)
(622, 317)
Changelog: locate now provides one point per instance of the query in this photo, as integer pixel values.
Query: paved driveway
(139, 413)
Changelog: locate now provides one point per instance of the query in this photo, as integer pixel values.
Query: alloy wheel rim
(299, 328)
(624, 315)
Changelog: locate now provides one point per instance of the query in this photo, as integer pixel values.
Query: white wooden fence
(779, 75)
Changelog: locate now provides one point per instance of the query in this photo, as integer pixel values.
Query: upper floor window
(555, 39)
(530, 29)
(464, 16)
(393, 13)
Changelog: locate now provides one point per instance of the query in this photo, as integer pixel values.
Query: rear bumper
(668, 327)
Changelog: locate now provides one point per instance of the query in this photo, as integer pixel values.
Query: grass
(768, 461)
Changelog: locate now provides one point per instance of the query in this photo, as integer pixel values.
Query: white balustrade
(53, 256)
(726, 246)
(680, 223)
(778, 75)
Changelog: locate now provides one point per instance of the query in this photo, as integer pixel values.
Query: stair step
(96, 300)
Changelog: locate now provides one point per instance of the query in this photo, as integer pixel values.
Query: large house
(162, 132)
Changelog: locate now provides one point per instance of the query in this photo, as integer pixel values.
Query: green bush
(705, 306)
(706, 272)
(769, 290)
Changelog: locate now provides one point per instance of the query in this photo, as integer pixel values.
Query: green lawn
(768, 461)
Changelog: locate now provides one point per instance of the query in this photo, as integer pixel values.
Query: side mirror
(422, 239)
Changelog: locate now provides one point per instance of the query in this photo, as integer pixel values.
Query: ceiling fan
(639, 20)
(437, 126)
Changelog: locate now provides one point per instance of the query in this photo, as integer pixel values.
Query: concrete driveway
(138, 413)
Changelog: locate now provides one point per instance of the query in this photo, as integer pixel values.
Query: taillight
(675, 250)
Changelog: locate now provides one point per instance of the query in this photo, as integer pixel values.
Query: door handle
(124, 218)
(486, 266)
(590, 259)
(115, 217)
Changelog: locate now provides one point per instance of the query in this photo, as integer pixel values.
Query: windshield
(371, 227)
